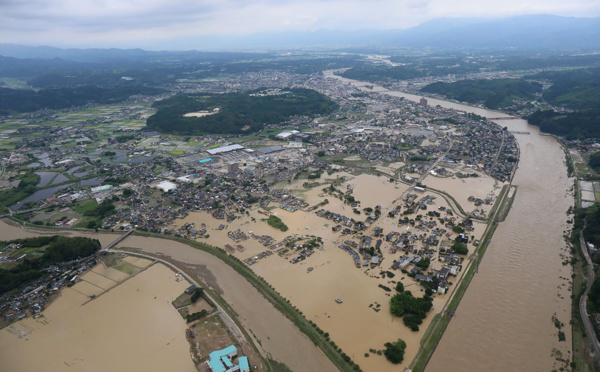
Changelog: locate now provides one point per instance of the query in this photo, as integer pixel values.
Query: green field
(127, 268)
(177, 152)
(85, 206)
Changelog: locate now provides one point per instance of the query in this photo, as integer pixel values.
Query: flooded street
(504, 321)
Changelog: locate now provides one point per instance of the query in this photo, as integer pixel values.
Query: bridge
(11, 212)
(119, 239)
(505, 118)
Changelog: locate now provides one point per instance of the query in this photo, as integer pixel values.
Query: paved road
(583, 300)
(499, 151)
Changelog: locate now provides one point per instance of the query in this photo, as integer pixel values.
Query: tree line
(59, 249)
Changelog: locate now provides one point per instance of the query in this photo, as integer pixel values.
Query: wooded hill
(238, 112)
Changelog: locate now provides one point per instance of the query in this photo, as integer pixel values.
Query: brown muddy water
(132, 327)
(278, 336)
(504, 321)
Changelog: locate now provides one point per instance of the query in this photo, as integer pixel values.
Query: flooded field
(278, 336)
(132, 327)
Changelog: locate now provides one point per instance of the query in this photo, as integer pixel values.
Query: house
(190, 289)
(166, 186)
(442, 287)
(375, 261)
(443, 273)
(454, 269)
(420, 277)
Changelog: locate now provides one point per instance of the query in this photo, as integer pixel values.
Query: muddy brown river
(504, 321)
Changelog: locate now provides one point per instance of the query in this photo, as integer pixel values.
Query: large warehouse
(224, 149)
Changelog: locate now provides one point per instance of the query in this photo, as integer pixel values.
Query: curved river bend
(504, 321)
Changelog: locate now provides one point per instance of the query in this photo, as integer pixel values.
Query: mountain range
(536, 32)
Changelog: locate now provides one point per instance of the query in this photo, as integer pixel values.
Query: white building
(166, 186)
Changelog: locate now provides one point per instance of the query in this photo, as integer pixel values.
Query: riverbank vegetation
(594, 162)
(394, 352)
(579, 92)
(582, 354)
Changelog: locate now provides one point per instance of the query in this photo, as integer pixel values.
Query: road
(499, 151)
(435, 163)
(589, 329)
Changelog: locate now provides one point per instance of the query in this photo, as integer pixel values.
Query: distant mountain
(531, 32)
(524, 32)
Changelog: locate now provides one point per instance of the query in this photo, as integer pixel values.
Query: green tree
(399, 287)
(394, 352)
(458, 229)
(423, 264)
(460, 248)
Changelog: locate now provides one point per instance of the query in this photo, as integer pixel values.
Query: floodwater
(504, 321)
(91, 182)
(132, 327)
(278, 336)
(363, 321)
(45, 178)
(39, 195)
(43, 157)
(141, 160)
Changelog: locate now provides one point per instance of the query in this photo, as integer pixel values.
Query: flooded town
(313, 242)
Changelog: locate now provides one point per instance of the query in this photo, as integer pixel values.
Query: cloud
(120, 22)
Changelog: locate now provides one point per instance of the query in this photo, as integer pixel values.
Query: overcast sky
(174, 24)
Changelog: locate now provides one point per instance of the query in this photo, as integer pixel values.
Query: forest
(578, 91)
(24, 100)
(494, 94)
(59, 249)
(238, 112)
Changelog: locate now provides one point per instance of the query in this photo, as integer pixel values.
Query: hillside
(237, 112)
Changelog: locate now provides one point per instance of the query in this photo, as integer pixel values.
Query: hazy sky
(171, 24)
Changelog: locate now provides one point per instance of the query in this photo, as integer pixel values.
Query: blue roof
(220, 358)
(204, 160)
(227, 362)
(216, 365)
(243, 363)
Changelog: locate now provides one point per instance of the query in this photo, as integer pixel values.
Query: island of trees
(412, 309)
(237, 112)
